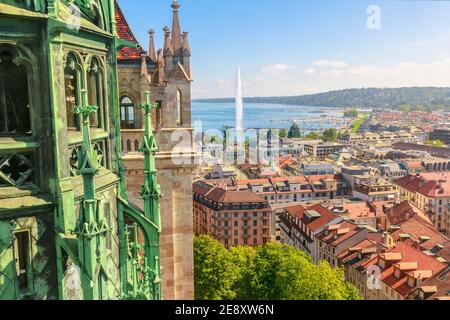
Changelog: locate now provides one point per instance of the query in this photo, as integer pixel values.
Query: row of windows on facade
(236, 215)
(236, 223)
(245, 241)
(129, 115)
(236, 233)
(219, 206)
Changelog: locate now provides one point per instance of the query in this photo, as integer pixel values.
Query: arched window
(96, 92)
(128, 146)
(136, 145)
(14, 96)
(72, 89)
(127, 114)
(159, 114)
(179, 108)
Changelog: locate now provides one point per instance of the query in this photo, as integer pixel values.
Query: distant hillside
(364, 98)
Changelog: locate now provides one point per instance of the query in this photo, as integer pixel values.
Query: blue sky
(290, 47)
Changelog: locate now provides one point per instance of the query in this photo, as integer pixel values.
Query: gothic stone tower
(166, 73)
(67, 230)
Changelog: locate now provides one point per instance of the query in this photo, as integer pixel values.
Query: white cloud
(276, 68)
(223, 83)
(336, 64)
(417, 44)
(282, 79)
(309, 71)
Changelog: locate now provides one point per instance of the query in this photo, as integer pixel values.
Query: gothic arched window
(179, 108)
(14, 96)
(72, 84)
(96, 92)
(127, 113)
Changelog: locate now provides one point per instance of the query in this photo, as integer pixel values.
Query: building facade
(234, 218)
(166, 73)
(67, 230)
(430, 192)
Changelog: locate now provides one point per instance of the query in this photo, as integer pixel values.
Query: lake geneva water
(256, 115)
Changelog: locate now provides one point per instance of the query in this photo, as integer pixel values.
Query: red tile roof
(416, 228)
(428, 184)
(326, 216)
(221, 195)
(124, 32)
(329, 236)
(404, 211)
(408, 254)
(437, 288)
(368, 249)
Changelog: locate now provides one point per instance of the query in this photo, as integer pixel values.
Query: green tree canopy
(435, 143)
(215, 271)
(313, 135)
(283, 133)
(270, 272)
(294, 131)
(330, 135)
(352, 113)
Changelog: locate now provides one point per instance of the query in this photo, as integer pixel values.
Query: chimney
(386, 238)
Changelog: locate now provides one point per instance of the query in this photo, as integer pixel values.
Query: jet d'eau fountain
(239, 102)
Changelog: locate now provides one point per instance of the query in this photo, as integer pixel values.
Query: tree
(330, 135)
(294, 131)
(215, 271)
(352, 113)
(435, 143)
(283, 133)
(269, 272)
(405, 108)
(313, 135)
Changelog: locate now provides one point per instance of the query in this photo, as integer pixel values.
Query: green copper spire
(92, 225)
(150, 193)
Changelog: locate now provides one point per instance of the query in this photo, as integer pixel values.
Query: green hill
(362, 98)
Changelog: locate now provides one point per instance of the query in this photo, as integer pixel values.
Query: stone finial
(168, 50)
(151, 49)
(186, 47)
(175, 6)
(144, 70)
(176, 29)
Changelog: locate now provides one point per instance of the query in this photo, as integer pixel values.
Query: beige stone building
(430, 192)
(166, 73)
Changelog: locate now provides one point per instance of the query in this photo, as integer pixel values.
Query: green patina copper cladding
(150, 193)
(79, 229)
(144, 273)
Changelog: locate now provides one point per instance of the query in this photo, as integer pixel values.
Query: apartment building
(320, 149)
(361, 212)
(336, 238)
(353, 258)
(372, 138)
(300, 225)
(376, 191)
(430, 192)
(232, 217)
(398, 272)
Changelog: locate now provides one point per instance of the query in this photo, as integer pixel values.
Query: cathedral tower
(166, 73)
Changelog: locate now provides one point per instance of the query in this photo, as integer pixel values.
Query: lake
(256, 115)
